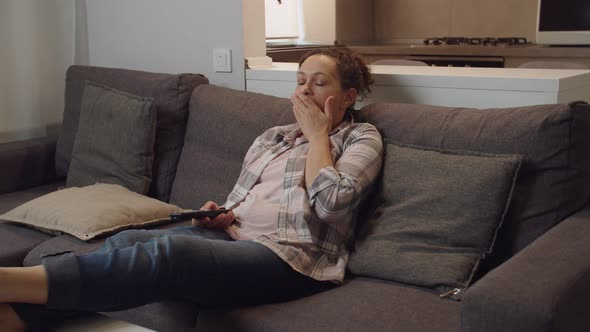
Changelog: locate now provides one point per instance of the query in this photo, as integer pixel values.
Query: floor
(100, 324)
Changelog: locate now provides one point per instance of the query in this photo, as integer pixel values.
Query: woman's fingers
(304, 102)
(220, 222)
(210, 205)
(329, 108)
(298, 105)
(226, 220)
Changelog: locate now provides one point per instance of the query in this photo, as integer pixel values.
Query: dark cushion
(439, 216)
(11, 200)
(171, 94)
(360, 304)
(222, 125)
(554, 179)
(17, 240)
(27, 163)
(115, 140)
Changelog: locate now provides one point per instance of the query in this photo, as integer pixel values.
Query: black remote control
(196, 214)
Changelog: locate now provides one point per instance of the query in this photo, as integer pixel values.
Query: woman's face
(318, 78)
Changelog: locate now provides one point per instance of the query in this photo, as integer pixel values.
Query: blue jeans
(191, 264)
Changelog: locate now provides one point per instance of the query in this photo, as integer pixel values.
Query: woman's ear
(350, 97)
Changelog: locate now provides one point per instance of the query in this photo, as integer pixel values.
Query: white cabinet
(447, 86)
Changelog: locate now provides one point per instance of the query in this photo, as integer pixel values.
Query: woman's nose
(306, 90)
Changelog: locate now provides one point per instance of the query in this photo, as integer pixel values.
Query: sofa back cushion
(222, 125)
(554, 179)
(171, 94)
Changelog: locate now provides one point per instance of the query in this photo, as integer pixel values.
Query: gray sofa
(536, 279)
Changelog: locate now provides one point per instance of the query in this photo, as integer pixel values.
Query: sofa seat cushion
(360, 304)
(17, 240)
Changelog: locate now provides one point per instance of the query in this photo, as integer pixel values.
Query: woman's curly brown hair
(353, 70)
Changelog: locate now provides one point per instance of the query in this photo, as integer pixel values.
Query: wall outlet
(222, 60)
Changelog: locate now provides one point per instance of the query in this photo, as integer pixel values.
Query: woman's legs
(30, 285)
(172, 266)
(9, 320)
(23, 284)
(27, 284)
(138, 267)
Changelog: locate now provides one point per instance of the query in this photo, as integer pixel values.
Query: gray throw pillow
(115, 140)
(439, 215)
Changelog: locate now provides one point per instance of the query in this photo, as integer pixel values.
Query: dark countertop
(528, 50)
(293, 47)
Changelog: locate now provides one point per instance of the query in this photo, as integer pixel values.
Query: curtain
(37, 45)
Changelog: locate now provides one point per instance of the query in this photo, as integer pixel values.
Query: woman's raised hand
(220, 222)
(312, 121)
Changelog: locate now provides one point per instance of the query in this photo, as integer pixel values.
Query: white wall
(36, 47)
(172, 36)
(319, 17)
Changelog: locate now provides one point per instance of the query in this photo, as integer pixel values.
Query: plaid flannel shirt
(315, 225)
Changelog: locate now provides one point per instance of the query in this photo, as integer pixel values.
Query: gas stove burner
(445, 41)
(488, 41)
(511, 41)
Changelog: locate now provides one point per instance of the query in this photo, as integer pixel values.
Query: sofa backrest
(554, 180)
(222, 125)
(171, 95)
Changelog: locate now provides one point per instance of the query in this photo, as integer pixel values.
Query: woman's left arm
(337, 189)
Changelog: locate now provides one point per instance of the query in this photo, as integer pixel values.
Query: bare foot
(9, 320)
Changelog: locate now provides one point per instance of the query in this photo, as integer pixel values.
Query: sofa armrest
(544, 287)
(27, 163)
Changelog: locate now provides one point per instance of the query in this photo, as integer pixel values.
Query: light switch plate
(222, 60)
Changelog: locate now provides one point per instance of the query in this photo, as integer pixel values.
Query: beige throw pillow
(86, 212)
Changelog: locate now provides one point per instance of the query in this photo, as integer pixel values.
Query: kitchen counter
(447, 86)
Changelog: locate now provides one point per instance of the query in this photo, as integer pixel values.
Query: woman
(292, 220)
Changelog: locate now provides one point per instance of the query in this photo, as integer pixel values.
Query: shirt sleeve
(338, 189)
